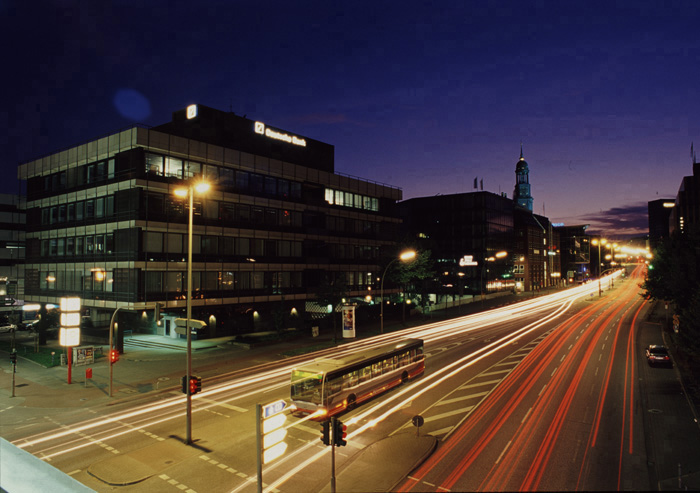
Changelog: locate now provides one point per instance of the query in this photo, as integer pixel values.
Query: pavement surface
(147, 366)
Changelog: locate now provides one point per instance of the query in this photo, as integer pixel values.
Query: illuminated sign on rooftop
(261, 129)
(467, 260)
(192, 111)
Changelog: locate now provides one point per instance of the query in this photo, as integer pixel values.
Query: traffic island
(385, 463)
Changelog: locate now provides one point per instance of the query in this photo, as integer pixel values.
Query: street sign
(194, 324)
(273, 408)
(181, 325)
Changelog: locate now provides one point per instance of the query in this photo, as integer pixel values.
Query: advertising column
(349, 321)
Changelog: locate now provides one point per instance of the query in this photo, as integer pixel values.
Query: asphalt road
(553, 396)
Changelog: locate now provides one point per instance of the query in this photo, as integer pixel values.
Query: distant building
(538, 255)
(12, 238)
(686, 214)
(464, 231)
(575, 249)
(105, 225)
(659, 212)
(522, 194)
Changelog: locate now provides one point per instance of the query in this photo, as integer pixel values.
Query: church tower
(521, 194)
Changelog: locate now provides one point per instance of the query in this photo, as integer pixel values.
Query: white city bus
(328, 386)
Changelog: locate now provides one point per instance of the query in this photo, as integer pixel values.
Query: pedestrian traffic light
(326, 432)
(195, 384)
(339, 433)
(113, 356)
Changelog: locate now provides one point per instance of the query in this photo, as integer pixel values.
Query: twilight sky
(426, 96)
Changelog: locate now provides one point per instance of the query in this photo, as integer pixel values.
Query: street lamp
(404, 257)
(200, 187)
(599, 242)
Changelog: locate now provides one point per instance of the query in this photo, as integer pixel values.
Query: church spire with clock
(521, 194)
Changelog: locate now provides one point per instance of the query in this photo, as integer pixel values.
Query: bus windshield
(307, 386)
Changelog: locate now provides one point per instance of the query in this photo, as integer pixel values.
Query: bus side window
(365, 374)
(350, 380)
(334, 386)
(376, 369)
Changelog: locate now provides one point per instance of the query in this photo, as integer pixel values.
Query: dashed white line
(504, 451)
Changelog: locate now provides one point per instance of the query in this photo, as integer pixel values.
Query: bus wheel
(404, 377)
(351, 402)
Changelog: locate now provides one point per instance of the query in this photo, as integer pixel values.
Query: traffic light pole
(109, 353)
(188, 440)
(332, 467)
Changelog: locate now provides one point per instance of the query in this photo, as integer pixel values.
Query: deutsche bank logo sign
(274, 134)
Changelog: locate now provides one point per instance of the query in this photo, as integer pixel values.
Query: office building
(105, 225)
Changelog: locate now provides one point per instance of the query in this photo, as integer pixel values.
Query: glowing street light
(188, 192)
(404, 257)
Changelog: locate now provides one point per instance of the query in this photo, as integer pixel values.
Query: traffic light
(13, 357)
(183, 382)
(339, 433)
(326, 432)
(113, 356)
(195, 384)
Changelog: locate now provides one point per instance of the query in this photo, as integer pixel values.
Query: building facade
(686, 213)
(12, 252)
(537, 262)
(659, 213)
(105, 225)
(464, 231)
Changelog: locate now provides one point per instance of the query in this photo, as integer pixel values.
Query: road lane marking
(442, 431)
(497, 372)
(223, 404)
(463, 410)
(479, 384)
(504, 451)
(462, 398)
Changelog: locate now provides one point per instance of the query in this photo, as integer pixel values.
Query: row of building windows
(78, 211)
(95, 280)
(94, 172)
(99, 244)
(155, 242)
(241, 181)
(349, 199)
(162, 206)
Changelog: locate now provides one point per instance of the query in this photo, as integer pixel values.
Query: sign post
(270, 434)
(69, 335)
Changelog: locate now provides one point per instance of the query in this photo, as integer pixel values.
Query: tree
(672, 276)
(47, 319)
(331, 292)
(410, 275)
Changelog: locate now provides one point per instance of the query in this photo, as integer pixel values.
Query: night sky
(426, 96)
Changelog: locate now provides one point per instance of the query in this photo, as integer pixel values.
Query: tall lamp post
(201, 187)
(404, 257)
(599, 242)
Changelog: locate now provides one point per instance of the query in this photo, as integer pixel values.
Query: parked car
(6, 327)
(658, 355)
(28, 325)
